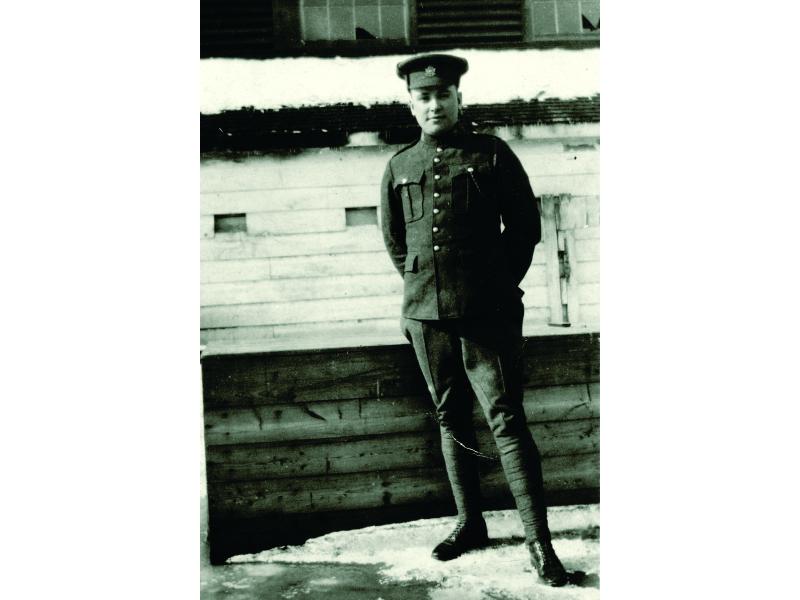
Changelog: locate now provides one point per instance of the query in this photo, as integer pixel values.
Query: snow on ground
(502, 570)
(494, 76)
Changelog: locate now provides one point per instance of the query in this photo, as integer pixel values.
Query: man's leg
(439, 355)
(491, 353)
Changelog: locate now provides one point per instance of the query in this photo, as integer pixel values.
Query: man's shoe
(467, 536)
(546, 563)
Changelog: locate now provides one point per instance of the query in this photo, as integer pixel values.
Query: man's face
(435, 108)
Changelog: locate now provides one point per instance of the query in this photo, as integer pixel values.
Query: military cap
(426, 70)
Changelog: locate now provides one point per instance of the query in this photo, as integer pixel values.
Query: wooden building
(316, 414)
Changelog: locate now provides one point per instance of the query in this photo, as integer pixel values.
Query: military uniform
(443, 201)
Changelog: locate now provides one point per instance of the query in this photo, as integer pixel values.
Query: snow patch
(494, 76)
(503, 568)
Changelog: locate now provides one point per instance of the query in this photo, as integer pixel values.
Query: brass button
(436, 194)
(435, 230)
(437, 176)
(470, 169)
(436, 248)
(436, 211)
(438, 149)
(405, 179)
(436, 159)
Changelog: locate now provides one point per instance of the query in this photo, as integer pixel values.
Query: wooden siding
(301, 270)
(303, 442)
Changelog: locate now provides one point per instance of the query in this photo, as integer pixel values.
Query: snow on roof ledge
(494, 76)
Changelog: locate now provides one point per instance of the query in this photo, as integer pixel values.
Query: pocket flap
(411, 263)
(409, 175)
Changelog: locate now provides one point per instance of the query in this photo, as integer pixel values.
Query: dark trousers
(484, 355)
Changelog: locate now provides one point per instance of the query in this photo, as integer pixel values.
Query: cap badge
(430, 71)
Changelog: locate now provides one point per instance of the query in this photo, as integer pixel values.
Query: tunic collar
(450, 138)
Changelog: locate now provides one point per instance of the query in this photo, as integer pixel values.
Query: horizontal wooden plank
(587, 249)
(307, 335)
(339, 334)
(540, 164)
(373, 371)
(587, 233)
(283, 290)
(296, 221)
(589, 293)
(536, 318)
(327, 265)
(240, 246)
(579, 184)
(374, 489)
(536, 276)
(535, 296)
(317, 167)
(562, 132)
(321, 311)
(309, 311)
(234, 270)
(206, 227)
(588, 272)
(279, 423)
(299, 266)
(301, 198)
(336, 330)
(227, 335)
(250, 173)
(386, 452)
(590, 314)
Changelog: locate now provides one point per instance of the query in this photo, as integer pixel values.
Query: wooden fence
(301, 442)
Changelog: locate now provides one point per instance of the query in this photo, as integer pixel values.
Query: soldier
(443, 199)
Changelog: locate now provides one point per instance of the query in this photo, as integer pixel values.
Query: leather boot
(546, 563)
(467, 535)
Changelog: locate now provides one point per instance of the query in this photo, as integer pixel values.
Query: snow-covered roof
(495, 76)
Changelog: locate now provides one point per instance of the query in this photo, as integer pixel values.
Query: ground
(393, 562)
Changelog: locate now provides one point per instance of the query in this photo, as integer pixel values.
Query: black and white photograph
(339, 337)
(400, 305)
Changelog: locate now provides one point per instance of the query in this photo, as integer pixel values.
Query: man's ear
(459, 100)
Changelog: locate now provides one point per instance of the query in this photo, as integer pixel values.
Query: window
(549, 18)
(329, 20)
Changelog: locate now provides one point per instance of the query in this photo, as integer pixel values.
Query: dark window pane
(569, 17)
(230, 223)
(544, 18)
(361, 216)
(392, 19)
(342, 24)
(316, 23)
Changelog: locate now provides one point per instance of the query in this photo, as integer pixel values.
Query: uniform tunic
(442, 202)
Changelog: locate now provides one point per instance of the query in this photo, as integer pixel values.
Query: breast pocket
(468, 187)
(410, 191)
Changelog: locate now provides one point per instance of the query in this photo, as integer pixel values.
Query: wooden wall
(303, 442)
(300, 270)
